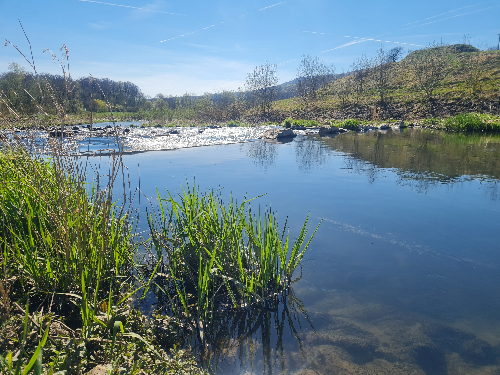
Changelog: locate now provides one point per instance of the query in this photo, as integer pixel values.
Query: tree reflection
(422, 159)
(262, 153)
(310, 153)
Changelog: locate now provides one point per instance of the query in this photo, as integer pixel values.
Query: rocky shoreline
(147, 138)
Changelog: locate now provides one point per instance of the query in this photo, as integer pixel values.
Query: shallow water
(138, 139)
(403, 274)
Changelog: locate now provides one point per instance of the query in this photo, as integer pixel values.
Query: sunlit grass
(219, 256)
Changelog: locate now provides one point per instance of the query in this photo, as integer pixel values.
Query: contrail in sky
(192, 32)
(217, 24)
(447, 18)
(128, 6)
(442, 14)
(360, 40)
(270, 6)
(363, 39)
(386, 41)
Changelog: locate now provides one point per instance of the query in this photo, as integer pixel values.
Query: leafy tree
(100, 105)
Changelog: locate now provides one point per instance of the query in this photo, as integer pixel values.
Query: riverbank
(461, 122)
(69, 288)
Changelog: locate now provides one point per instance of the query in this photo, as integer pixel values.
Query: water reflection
(310, 153)
(422, 159)
(424, 154)
(257, 338)
(397, 282)
(262, 153)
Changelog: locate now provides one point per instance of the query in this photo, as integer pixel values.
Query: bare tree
(428, 68)
(262, 86)
(382, 73)
(312, 75)
(394, 54)
(360, 69)
(343, 88)
(472, 64)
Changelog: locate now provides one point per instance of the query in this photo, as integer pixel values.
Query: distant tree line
(368, 81)
(27, 93)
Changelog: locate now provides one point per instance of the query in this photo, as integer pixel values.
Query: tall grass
(218, 257)
(53, 232)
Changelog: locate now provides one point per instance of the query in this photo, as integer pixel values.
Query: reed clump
(290, 122)
(216, 257)
(53, 231)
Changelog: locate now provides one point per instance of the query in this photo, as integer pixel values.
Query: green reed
(218, 256)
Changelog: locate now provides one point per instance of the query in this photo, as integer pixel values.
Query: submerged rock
(57, 133)
(278, 133)
(326, 130)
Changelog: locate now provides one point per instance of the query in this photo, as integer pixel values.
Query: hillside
(470, 83)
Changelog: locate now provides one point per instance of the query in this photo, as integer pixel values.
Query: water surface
(403, 274)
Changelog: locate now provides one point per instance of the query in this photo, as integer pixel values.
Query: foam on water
(149, 139)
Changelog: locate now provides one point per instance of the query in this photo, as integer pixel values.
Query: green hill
(468, 81)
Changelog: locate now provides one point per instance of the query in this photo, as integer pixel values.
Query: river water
(403, 275)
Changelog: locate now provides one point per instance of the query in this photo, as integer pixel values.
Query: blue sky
(173, 47)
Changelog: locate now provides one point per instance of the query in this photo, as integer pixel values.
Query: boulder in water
(278, 133)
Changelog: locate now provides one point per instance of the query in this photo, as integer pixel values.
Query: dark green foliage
(289, 122)
(351, 124)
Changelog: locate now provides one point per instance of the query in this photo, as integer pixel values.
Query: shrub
(351, 124)
(289, 122)
(431, 121)
(468, 122)
(234, 124)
